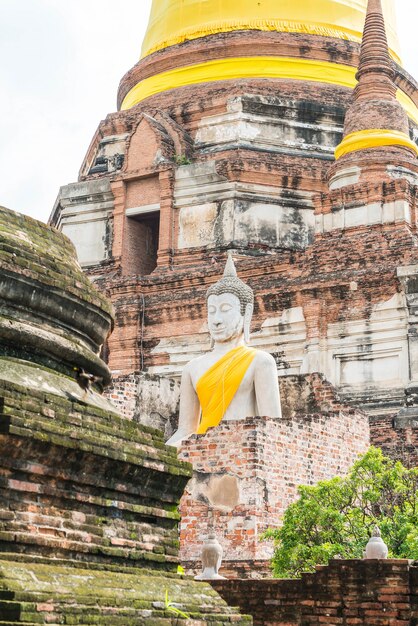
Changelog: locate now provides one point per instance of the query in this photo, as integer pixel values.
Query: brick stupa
(225, 140)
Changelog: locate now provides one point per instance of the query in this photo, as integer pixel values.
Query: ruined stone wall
(243, 165)
(149, 400)
(361, 593)
(338, 308)
(246, 473)
(153, 400)
(123, 394)
(248, 165)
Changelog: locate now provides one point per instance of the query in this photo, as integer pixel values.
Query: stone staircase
(39, 593)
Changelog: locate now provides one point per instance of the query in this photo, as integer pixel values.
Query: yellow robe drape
(217, 387)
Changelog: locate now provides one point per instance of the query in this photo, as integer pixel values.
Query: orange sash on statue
(217, 387)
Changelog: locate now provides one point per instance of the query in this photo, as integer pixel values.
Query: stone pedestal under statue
(246, 473)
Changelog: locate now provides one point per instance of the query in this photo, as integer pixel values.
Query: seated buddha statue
(233, 380)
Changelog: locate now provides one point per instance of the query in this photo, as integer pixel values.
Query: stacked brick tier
(339, 277)
(79, 482)
(88, 501)
(49, 311)
(245, 44)
(246, 473)
(345, 593)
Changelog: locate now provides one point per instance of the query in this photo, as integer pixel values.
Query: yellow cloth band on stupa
(242, 67)
(252, 67)
(373, 138)
(175, 21)
(218, 386)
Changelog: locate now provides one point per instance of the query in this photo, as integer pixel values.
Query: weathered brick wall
(270, 602)
(413, 573)
(261, 461)
(341, 277)
(357, 593)
(141, 242)
(144, 191)
(153, 400)
(149, 400)
(123, 394)
(79, 482)
(396, 442)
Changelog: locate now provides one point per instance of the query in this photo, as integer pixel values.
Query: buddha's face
(224, 317)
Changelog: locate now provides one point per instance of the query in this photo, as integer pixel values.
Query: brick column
(166, 242)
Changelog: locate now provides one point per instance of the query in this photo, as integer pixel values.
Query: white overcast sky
(60, 66)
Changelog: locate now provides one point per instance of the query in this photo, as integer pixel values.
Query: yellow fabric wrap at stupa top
(218, 386)
(174, 21)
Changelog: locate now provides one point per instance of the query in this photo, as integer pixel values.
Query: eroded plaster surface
(214, 211)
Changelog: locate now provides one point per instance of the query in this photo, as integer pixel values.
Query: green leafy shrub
(336, 517)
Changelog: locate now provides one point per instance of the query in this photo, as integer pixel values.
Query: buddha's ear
(247, 322)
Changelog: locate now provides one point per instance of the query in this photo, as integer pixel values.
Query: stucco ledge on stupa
(272, 124)
(213, 211)
(84, 212)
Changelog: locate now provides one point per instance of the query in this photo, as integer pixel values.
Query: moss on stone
(91, 596)
(24, 241)
(97, 431)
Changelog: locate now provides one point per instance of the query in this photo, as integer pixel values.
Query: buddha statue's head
(230, 306)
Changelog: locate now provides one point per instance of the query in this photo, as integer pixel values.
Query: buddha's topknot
(230, 283)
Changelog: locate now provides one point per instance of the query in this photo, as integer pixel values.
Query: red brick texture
(171, 304)
(123, 393)
(399, 443)
(346, 593)
(244, 44)
(81, 483)
(269, 458)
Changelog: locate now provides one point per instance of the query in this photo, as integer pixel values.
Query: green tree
(336, 517)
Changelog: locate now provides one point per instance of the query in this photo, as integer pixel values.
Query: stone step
(43, 611)
(53, 594)
(6, 595)
(97, 604)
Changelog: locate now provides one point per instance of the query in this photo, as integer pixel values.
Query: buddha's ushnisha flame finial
(230, 270)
